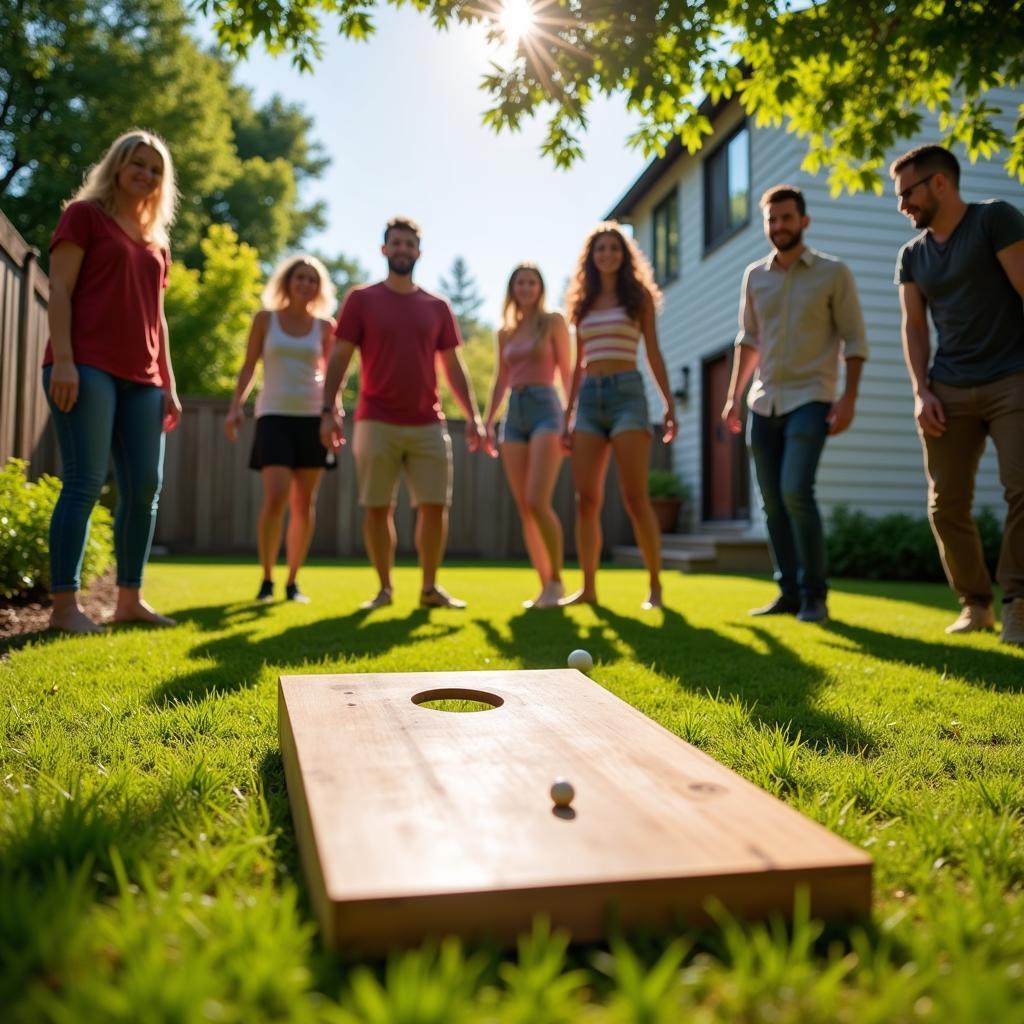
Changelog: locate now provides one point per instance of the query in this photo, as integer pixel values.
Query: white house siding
(875, 466)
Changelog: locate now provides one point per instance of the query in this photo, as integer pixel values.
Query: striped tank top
(608, 334)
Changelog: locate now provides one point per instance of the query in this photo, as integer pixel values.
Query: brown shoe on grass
(438, 597)
(1013, 622)
(973, 618)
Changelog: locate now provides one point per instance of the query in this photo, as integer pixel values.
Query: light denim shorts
(613, 404)
(534, 409)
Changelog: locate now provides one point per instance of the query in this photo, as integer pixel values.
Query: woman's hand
(64, 385)
(232, 422)
(172, 410)
(490, 441)
(669, 426)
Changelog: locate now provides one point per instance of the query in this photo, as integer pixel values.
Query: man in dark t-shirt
(966, 268)
(401, 331)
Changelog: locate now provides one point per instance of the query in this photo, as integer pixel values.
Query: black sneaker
(813, 609)
(266, 591)
(782, 605)
(292, 593)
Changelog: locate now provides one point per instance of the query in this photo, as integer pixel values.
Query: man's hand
(731, 416)
(930, 415)
(475, 434)
(332, 435)
(490, 441)
(840, 416)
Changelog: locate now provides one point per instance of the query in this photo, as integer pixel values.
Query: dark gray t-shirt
(978, 314)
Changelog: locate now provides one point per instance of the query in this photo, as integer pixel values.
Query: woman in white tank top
(292, 335)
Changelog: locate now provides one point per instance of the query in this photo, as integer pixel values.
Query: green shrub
(663, 483)
(895, 547)
(25, 511)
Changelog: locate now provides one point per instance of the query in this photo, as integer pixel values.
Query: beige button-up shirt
(800, 321)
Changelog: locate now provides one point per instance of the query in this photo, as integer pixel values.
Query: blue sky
(400, 117)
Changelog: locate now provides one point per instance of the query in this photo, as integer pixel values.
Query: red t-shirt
(115, 307)
(399, 336)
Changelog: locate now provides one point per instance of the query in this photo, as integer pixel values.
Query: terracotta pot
(667, 512)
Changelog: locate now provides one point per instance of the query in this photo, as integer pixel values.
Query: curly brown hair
(634, 285)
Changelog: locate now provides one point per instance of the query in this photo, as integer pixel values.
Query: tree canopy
(75, 75)
(850, 77)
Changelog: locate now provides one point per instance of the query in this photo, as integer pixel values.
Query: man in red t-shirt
(400, 330)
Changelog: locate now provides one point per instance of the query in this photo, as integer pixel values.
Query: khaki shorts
(384, 451)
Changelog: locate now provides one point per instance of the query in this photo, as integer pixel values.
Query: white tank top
(293, 372)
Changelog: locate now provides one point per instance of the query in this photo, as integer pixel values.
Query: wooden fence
(24, 294)
(210, 498)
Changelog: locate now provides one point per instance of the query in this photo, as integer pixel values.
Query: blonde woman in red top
(533, 346)
(107, 370)
(612, 301)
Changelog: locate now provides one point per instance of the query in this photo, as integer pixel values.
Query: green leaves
(848, 77)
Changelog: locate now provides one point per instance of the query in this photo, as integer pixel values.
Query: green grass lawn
(148, 869)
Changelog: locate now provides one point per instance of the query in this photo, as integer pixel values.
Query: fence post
(25, 300)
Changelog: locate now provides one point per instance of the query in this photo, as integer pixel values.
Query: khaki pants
(993, 410)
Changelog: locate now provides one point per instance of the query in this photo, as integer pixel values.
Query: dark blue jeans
(112, 417)
(786, 452)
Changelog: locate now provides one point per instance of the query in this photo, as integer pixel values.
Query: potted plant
(668, 495)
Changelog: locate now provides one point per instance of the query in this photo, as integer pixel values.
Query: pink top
(529, 364)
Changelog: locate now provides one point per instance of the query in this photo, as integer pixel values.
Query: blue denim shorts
(613, 404)
(534, 409)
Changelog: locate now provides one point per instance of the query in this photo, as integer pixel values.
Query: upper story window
(727, 188)
(666, 238)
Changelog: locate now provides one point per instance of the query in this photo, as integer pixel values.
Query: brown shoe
(973, 618)
(1013, 622)
(438, 597)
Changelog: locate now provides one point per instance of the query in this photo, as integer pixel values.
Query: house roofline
(656, 169)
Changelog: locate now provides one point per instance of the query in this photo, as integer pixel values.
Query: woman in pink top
(533, 344)
(612, 302)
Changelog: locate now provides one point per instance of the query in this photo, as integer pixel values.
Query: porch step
(711, 551)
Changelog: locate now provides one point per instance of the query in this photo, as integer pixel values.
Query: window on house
(727, 188)
(666, 238)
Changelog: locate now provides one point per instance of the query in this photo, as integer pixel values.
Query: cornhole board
(415, 822)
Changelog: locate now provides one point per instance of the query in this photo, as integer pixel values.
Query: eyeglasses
(905, 194)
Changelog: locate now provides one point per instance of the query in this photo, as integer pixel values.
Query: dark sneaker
(782, 605)
(266, 591)
(292, 593)
(438, 597)
(813, 609)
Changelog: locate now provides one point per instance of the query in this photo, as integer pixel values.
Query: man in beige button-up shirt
(798, 313)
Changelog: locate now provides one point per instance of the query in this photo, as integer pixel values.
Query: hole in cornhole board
(412, 825)
(455, 699)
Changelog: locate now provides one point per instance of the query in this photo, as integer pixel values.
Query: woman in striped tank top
(533, 345)
(612, 301)
(292, 335)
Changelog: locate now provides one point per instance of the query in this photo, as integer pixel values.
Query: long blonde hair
(512, 315)
(275, 294)
(100, 185)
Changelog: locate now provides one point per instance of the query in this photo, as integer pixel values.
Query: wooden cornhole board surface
(414, 822)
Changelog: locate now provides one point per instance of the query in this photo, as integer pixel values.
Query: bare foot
(137, 610)
(580, 597)
(73, 620)
(653, 601)
(551, 596)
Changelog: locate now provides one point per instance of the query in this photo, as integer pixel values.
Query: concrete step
(683, 559)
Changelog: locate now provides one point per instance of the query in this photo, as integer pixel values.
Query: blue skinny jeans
(786, 451)
(112, 417)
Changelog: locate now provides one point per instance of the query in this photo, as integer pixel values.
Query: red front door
(726, 478)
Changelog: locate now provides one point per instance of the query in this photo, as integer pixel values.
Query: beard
(401, 265)
(922, 216)
(785, 240)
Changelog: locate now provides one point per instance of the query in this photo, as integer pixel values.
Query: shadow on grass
(991, 670)
(771, 679)
(240, 657)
